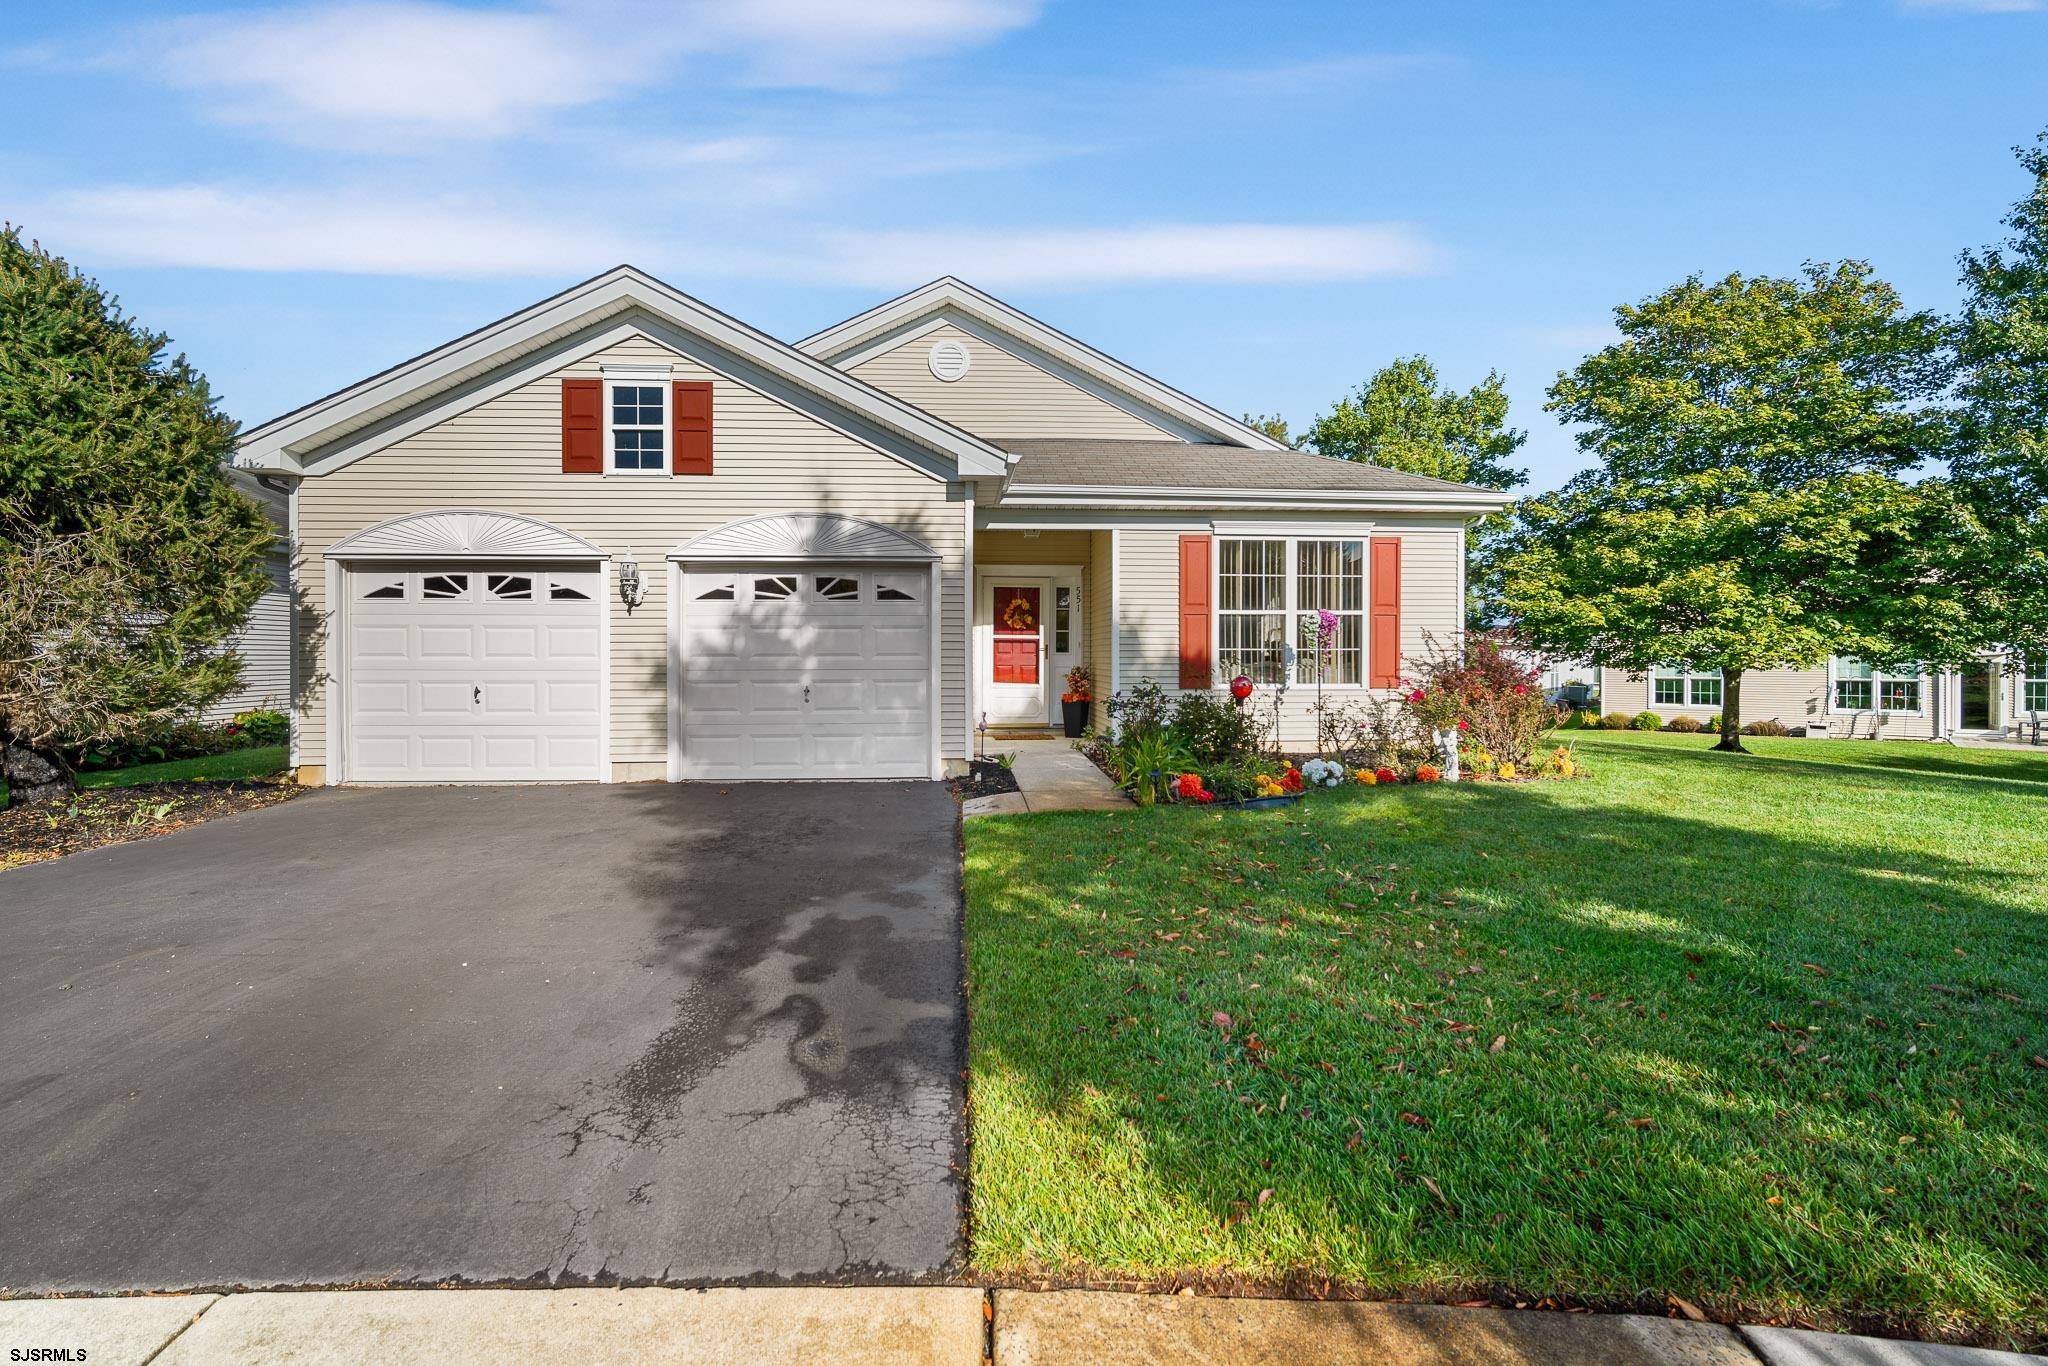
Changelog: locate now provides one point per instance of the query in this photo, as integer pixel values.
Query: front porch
(1041, 608)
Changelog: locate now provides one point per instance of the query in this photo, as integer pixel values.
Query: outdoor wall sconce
(631, 588)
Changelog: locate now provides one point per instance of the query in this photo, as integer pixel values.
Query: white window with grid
(636, 426)
(1685, 688)
(1270, 598)
(1858, 686)
(2034, 683)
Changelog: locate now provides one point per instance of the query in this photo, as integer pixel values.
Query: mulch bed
(31, 834)
(985, 778)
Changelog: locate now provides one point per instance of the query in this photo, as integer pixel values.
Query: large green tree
(2001, 457)
(1405, 418)
(1751, 507)
(126, 558)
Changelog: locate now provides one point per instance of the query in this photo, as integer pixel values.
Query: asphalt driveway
(645, 1033)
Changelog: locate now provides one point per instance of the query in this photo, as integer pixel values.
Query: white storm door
(801, 671)
(1014, 664)
(473, 673)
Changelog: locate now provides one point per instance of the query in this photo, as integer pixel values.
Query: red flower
(1387, 775)
(1417, 696)
(1189, 785)
(1205, 797)
(1291, 780)
(1464, 725)
(1520, 690)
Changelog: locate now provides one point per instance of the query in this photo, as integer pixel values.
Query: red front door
(1017, 627)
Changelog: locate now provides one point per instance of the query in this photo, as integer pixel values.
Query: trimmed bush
(1712, 722)
(1684, 725)
(1647, 720)
(1764, 728)
(1616, 720)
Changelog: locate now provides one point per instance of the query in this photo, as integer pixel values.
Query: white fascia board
(1107, 496)
(835, 342)
(275, 444)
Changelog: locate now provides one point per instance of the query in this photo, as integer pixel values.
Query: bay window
(1264, 585)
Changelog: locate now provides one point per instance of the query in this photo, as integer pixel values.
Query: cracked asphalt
(639, 1033)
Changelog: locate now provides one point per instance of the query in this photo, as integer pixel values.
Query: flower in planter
(1188, 787)
(1080, 685)
(1428, 773)
(1290, 779)
(1266, 785)
(1386, 775)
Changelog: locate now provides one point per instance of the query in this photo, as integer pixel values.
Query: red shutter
(583, 426)
(692, 423)
(1197, 669)
(1384, 631)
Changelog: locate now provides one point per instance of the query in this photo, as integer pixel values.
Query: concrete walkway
(1051, 776)
(942, 1325)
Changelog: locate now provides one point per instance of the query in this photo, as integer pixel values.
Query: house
(620, 535)
(1990, 699)
(265, 640)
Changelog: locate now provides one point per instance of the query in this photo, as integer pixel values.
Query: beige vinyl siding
(1793, 697)
(1000, 395)
(1096, 587)
(1149, 605)
(1020, 547)
(504, 455)
(265, 644)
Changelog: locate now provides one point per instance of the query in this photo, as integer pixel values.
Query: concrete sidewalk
(941, 1325)
(1051, 776)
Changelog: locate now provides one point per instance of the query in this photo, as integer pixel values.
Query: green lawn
(235, 765)
(1758, 1032)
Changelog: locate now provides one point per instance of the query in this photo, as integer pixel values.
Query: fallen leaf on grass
(1816, 969)
(1499, 1042)
(2040, 1061)
(1642, 1124)
(1688, 1308)
(1265, 1195)
(1410, 1117)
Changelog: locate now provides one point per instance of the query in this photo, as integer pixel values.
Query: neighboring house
(265, 641)
(620, 535)
(1991, 698)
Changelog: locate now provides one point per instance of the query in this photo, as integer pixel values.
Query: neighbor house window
(639, 428)
(1262, 585)
(1685, 688)
(1859, 687)
(2034, 683)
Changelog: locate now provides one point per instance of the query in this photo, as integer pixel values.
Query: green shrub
(1684, 725)
(1148, 761)
(253, 729)
(1140, 709)
(1616, 720)
(182, 740)
(1712, 722)
(1214, 729)
(1764, 728)
(1646, 720)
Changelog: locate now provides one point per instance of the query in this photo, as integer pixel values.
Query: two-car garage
(494, 668)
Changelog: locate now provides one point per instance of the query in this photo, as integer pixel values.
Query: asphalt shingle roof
(1184, 464)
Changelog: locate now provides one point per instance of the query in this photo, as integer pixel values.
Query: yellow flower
(1507, 770)
(1365, 776)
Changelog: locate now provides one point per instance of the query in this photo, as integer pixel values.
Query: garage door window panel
(437, 587)
(509, 587)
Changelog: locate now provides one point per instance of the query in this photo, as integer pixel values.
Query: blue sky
(1258, 204)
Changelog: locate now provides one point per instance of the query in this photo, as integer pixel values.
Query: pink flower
(1520, 690)
(1464, 725)
(1417, 696)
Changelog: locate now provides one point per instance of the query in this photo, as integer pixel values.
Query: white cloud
(383, 73)
(1072, 258)
(219, 229)
(1320, 75)
(357, 233)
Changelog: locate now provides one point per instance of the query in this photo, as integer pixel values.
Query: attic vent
(948, 360)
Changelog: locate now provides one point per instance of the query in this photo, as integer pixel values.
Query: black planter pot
(1075, 715)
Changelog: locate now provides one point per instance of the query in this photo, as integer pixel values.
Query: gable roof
(1071, 472)
(948, 299)
(373, 412)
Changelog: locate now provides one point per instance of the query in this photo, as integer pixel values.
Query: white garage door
(469, 673)
(806, 672)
